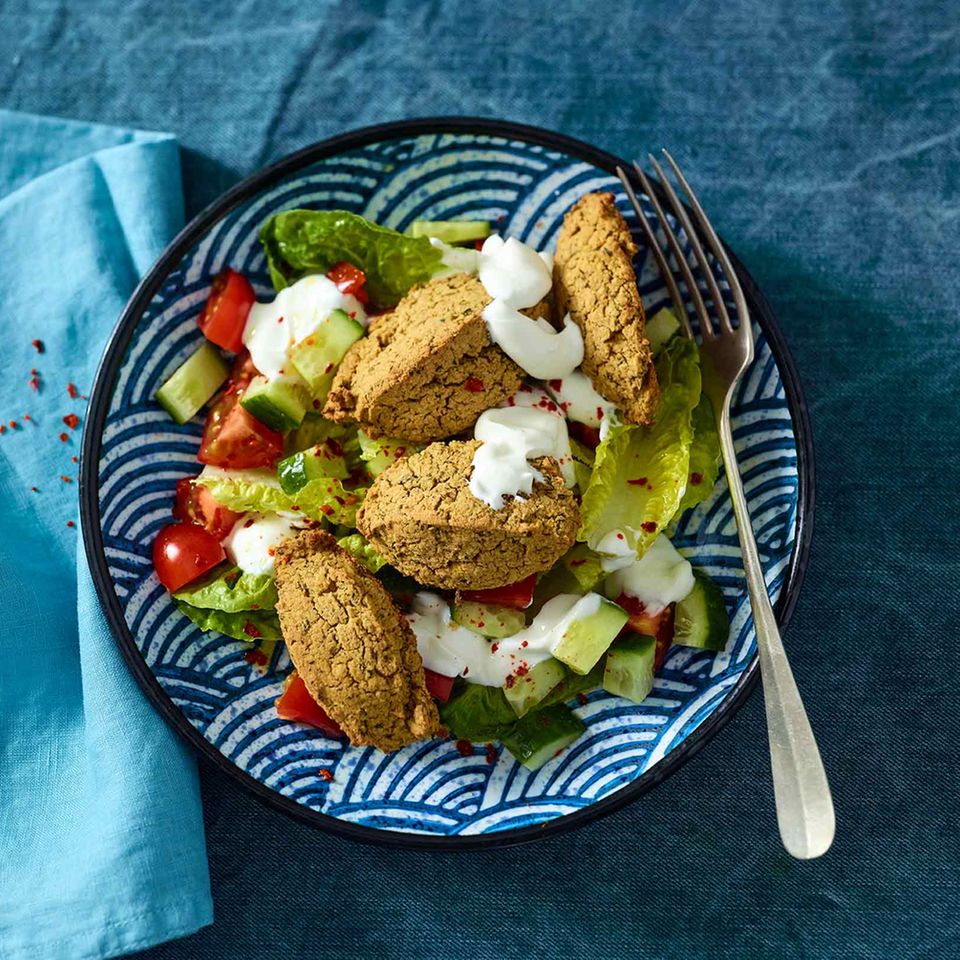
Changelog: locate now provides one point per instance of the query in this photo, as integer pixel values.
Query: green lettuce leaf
(258, 491)
(244, 625)
(658, 455)
(358, 545)
(231, 591)
(477, 713)
(301, 242)
(705, 456)
(317, 429)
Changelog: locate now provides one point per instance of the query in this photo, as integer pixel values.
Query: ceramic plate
(427, 794)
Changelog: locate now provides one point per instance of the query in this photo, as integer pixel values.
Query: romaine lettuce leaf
(705, 456)
(358, 545)
(640, 473)
(300, 242)
(244, 625)
(324, 498)
(317, 429)
(231, 590)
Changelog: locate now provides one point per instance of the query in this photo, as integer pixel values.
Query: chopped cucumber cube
(319, 461)
(585, 640)
(280, 404)
(379, 454)
(451, 231)
(541, 735)
(193, 383)
(317, 355)
(525, 692)
(487, 619)
(701, 618)
(629, 667)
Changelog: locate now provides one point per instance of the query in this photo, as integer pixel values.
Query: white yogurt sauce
(512, 436)
(660, 577)
(615, 551)
(513, 273)
(254, 538)
(455, 651)
(296, 311)
(579, 401)
(534, 345)
(455, 259)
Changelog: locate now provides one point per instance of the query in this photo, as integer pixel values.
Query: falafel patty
(427, 370)
(594, 279)
(355, 652)
(421, 516)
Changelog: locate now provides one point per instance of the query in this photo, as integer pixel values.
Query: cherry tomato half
(225, 313)
(234, 439)
(182, 552)
(350, 280)
(295, 703)
(196, 504)
(517, 595)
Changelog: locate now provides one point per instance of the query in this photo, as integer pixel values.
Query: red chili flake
(316, 404)
(75, 459)
(491, 753)
(465, 748)
(474, 384)
(251, 631)
(511, 402)
(466, 670)
(232, 577)
(326, 510)
(334, 447)
(35, 489)
(510, 681)
(27, 417)
(72, 391)
(399, 452)
(248, 523)
(648, 526)
(481, 623)
(34, 372)
(525, 643)
(3, 429)
(619, 536)
(328, 368)
(325, 774)
(70, 523)
(555, 384)
(494, 647)
(38, 345)
(525, 388)
(64, 438)
(271, 551)
(581, 698)
(341, 501)
(599, 413)
(256, 658)
(14, 425)
(576, 563)
(523, 669)
(279, 319)
(72, 421)
(34, 382)
(551, 406)
(639, 482)
(696, 478)
(65, 478)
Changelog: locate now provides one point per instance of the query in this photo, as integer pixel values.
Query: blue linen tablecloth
(101, 838)
(823, 138)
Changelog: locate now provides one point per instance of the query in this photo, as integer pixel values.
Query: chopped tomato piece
(517, 595)
(225, 313)
(196, 504)
(588, 436)
(234, 439)
(664, 637)
(295, 703)
(242, 372)
(350, 280)
(438, 686)
(658, 625)
(184, 551)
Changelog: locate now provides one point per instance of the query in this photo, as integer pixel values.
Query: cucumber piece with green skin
(660, 328)
(193, 383)
(701, 618)
(629, 667)
(541, 735)
(280, 404)
(319, 461)
(585, 641)
(379, 454)
(451, 231)
(524, 693)
(487, 619)
(317, 355)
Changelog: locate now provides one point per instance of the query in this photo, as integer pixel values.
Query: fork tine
(706, 328)
(654, 245)
(680, 213)
(715, 246)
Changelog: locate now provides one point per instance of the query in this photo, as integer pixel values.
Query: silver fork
(801, 792)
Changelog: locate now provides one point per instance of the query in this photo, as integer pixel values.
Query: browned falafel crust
(427, 370)
(594, 279)
(422, 518)
(355, 652)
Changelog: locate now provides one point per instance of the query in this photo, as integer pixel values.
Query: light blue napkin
(101, 834)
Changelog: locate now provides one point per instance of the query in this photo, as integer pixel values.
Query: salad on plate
(443, 467)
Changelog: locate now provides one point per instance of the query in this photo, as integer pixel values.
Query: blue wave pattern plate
(427, 788)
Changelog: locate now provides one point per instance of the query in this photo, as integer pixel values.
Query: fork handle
(801, 792)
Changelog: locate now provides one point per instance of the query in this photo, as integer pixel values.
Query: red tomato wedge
(659, 625)
(225, 312)
(438, 686)
(350, 280)
(517, 595)
(295, 703)
(234, 439)
(184, 551)
(242, 372)
(195, 504)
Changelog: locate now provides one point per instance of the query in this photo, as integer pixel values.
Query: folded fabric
(101, 835)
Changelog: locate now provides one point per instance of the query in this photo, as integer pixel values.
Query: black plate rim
(102, 391)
